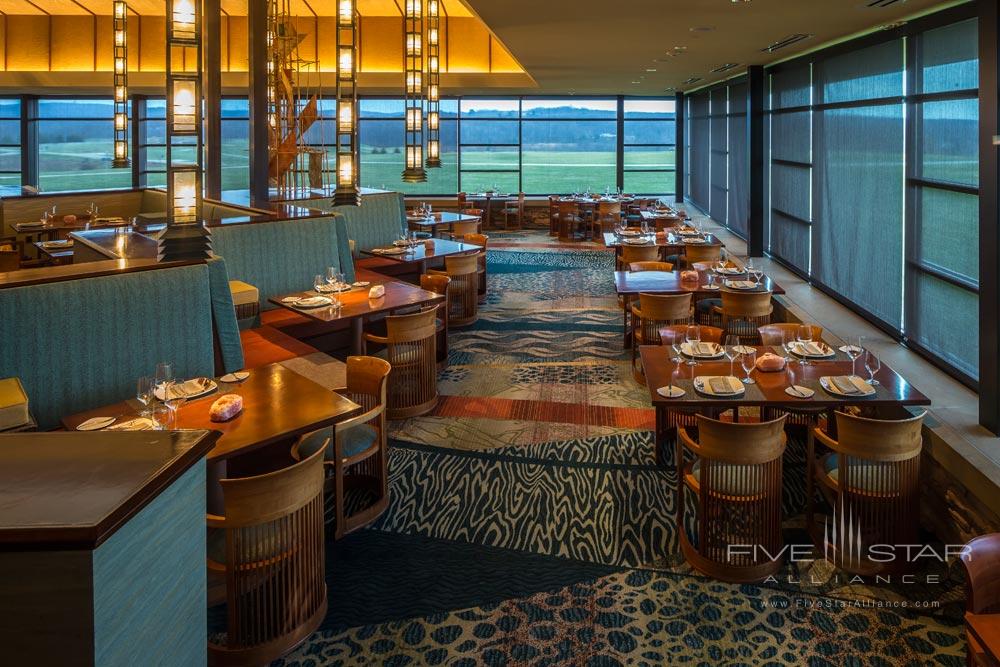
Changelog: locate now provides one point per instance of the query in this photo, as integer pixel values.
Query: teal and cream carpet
(529, 525)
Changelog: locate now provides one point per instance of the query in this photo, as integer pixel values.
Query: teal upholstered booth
(80, 344)
(281, 256)
(376, 223)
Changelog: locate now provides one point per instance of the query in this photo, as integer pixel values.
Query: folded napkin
(705, 348)
(740, 284)
(722, 385)
(847, 384)
(190, 388)
(812, 348)
(376, 292)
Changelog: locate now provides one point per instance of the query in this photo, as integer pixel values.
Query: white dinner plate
(864, 389)
(313, 302)
(717, 354)
(799, 351)
(232, 378)
(361, 283)
(193, 388)
(670, 391)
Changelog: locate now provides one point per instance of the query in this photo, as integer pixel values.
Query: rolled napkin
(689, 276)
(376, 292)
(225, 407)
(769, 363)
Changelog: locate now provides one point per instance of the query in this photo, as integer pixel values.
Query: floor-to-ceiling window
(874, 182)
(490, 144)
(150, 121)
(942, 268)
(235, 143)
(10, 145)
(649, 146)
(569, 145)
(75, 145)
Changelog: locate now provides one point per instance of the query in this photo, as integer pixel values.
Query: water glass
(319, 282)
(748, 360)
(160, 415)
(786, 344)
(873, 365)
(164, 374)
(804, 336)
(693, 337)
(144, 394)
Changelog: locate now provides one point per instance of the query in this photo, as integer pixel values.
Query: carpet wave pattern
(529, 524)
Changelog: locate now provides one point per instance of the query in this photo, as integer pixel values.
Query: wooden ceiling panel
(17, 7)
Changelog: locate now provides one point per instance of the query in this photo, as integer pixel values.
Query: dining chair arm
(824, 438)
(717, 310)
(364, 417)
(686, 440)
(376, 339)
(636, 310)
(215, 521)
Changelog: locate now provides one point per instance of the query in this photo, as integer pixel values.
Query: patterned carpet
(528, 523)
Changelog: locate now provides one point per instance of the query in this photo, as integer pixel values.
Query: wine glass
(732, 342)
(786, 344)
(331, 277)
(319, 282)
(853, 350)
(748, 359)
(873, 365)
(144, 394)
(164, 374)
(173, 398)
(693, 336)
(804, 336)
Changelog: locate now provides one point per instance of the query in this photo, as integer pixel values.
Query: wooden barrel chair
(439, 285)
(569, 219)
(411, 350)
(480, 240)
(772, 334)
(606, 218)
(650, 266)
(655, 311)
(742, 313)
(460, 230)
(870, 477)
(463, 292)
(734, 472)
(514, 210)
(981, 558)
(356, 455)
(638, 253)
(463, 202)
(701, 253)
(266, 560)
(553, 215)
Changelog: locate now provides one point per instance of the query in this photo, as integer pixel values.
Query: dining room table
(437, 222)
(422, 253)
(672, 282)
(489, 199)
(55, 251)
(279, 404)
(797, 385)
(355, 305)
(670, 241)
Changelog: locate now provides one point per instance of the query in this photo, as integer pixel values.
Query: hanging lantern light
(119, 20)
(433, 84)
(347, 191)
(413, 67)
(185, 237)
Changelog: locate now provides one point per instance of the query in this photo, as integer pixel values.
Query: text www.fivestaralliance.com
(830, 603)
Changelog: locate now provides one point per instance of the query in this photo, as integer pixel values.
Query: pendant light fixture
(347, 191)
(433, 84)
(413, 68)
(119, 22)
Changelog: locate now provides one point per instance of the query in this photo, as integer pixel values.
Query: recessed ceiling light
(693, 79)
(703, 28)
(650, 69)
(893, 25)
(723, 68)
(637, 82)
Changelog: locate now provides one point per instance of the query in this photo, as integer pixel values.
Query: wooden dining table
(278, 405)
(668, 241)
(356, 307)
(769, 387)
(488, 199)
(420, 254)
(670, 282)
(441, 220)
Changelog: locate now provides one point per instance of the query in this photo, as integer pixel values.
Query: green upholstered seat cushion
(354, 441)
(278, 257)
(227, 328)
(81, 344)
(868, 474)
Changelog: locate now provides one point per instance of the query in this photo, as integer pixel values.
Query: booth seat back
(81, 344)
(279, 257)
(376, 223)
(153, 201)
(219, 211)
(110, 203)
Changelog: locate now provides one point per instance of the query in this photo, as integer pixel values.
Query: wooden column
(257, 49)
(212, 40)
(989, 238)
(756, 120)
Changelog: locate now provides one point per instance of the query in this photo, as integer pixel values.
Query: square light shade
(414, 82)
(433, 150)
(183, 20)
(345, 11)
(121, 150)
(345, 169)
(120, 121)
(433, 119)
(120, 9)
(413, 44)
(183, 98)
(345, 119)
(414, 119)
(185, 195)
(414, 156)
(414, 9)
(119, 38)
